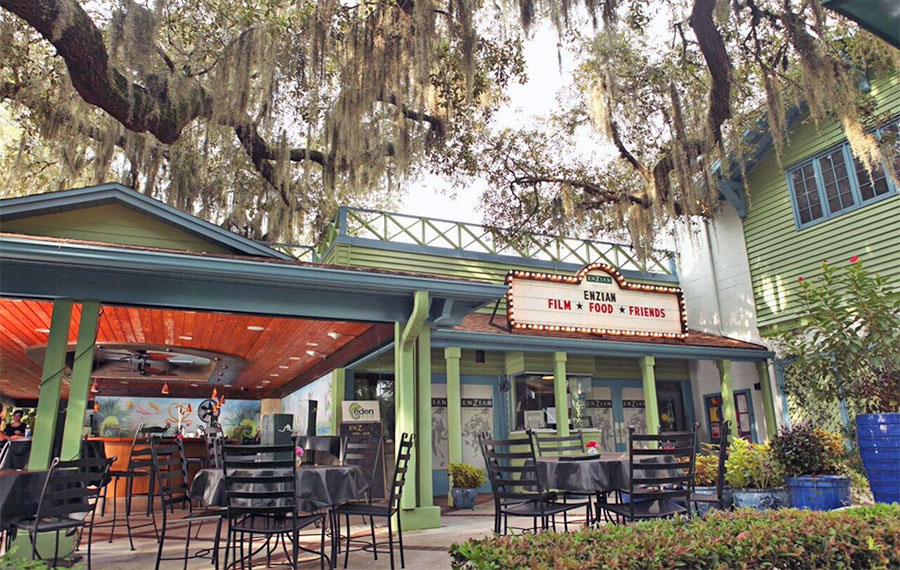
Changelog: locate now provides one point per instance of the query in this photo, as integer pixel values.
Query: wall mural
(295, 403)
(121, 416)
(440, 436)
(477, 416)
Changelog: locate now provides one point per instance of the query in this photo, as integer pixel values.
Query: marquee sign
(595, 300)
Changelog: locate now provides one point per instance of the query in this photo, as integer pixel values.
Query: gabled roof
(113, 193)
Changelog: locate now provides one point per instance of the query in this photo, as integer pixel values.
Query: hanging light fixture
(479, 357)
(96, 406)
(94, 387)
(165, 388)
(214, 394)
(189, 409)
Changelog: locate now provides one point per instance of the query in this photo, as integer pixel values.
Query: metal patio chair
(717, 499)
(552, 445)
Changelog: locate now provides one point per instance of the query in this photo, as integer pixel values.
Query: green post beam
(51, 382)
(727, 389)
(762, 369)
(559, 394)
(651, 405)
(454, 407)
(80, 386)
(454, 403)
(424, 443)
(405, 389)
(338, 392)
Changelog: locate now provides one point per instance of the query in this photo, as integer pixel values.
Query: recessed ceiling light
(45, 331)
(256, 328)
(185, 337)
(273, 374)
(283, 367)
(335, 335)
(312, 344)
(311, 352)
(259, 385)
(194, 385)
(266, 381)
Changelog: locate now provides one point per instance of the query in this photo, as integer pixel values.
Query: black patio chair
(515, 484)
(718, 499)
(363, 453)
(386, 509)
(261, 497)
(214, 439)
(172, 488)
(548, 444)
(658, 488)
(4, 450)
(140, 466)
(68, 503)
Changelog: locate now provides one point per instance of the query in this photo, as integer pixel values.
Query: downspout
(715, 276)
(416, 319)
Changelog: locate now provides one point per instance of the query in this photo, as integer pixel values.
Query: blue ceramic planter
(879, 448)
(823, 493)
(464, 498)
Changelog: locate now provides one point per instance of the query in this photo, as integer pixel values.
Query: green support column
(762, 369)
(423, 434)
(651, 405)
(405, 410)
(454, 403)
(728, 411)
(559, 394)
(454, 407)
(338, 391)
(51, 381)
(79, 388)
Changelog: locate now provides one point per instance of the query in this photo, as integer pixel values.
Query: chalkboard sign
(369, 432)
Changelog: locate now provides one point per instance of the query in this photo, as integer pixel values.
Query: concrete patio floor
(424, 549)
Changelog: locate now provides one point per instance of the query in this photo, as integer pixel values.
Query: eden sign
(595, 300)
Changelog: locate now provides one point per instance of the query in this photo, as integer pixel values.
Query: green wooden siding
(779, 253)
(112, 223)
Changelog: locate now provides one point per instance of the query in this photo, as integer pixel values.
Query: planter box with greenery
(813, 463)
(847, 351)
(465, 480)
(863, 537)
(754, 476)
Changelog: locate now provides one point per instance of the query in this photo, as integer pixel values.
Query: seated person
(15, 427)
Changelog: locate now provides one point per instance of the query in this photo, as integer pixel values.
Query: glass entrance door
(743, 407)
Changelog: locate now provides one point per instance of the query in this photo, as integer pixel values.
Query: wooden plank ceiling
(274, 358)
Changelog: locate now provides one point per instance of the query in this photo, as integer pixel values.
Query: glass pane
(870, 185)
(836, 181)
(806, 194)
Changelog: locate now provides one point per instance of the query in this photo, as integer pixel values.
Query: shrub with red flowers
(847, 343)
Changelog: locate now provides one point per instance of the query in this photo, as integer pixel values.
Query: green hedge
(859, 538)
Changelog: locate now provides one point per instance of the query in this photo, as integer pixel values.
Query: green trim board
(42, 268)
(510, 342)
(13, 209)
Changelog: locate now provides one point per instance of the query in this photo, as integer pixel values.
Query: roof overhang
(64, 200)
(512, 342)
(48, 268)
(880, 17)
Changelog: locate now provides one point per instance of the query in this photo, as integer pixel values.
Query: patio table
(319, 486)
(606, 472)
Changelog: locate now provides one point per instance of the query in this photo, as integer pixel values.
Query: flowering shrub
(865, 537)
(805, 450)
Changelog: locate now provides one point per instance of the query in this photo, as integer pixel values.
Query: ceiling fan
(144, 362)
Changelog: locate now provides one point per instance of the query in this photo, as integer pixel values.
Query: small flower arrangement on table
(298, 451)
(592, 447)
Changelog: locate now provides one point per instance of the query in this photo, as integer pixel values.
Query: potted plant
(811, 460)
(847, 352)
(465, 480)
(754, 476)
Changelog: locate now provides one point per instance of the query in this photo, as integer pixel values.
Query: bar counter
(120, 447)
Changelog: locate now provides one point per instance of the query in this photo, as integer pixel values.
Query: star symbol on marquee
(621, 309)
(580, 306)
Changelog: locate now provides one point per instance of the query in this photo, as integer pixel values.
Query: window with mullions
(835, 182)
